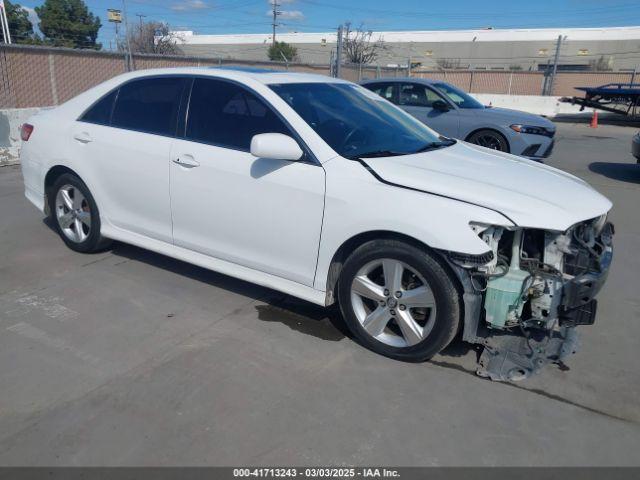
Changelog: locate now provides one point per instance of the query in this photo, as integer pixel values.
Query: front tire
(75, 215)
(489, 139)
(398, 300)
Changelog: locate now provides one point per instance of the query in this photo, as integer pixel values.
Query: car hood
(506, 116)
(530, 194)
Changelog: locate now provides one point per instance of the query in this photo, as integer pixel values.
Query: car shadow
(624, 172)
(299, 315)
(306, 318)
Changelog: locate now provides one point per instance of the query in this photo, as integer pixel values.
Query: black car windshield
(357, 123)
(457, 96)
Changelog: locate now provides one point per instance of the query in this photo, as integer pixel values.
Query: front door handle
(186, 161)
(82, 137)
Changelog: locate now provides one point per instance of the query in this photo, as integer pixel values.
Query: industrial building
(581, 49)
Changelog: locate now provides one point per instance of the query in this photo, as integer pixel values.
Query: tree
(20, 27)
(68, 23)
(358, 45)
(280, 51)
(153, 37)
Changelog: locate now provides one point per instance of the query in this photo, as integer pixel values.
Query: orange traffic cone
(594, 120)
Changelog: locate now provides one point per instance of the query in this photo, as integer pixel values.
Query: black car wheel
(489, 139)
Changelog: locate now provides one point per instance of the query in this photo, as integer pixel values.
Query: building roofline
(429, 36)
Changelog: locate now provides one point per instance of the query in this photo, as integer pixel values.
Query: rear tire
(398, 300)
(75, 215)
(489, 139)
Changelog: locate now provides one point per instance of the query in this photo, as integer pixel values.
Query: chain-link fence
(40, 76)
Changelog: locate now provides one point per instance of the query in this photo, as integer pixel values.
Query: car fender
(437, 221)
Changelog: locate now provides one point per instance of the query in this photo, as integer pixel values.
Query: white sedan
(321, 189)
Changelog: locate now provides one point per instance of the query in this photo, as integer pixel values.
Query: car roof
(262, 75)
(425, 81)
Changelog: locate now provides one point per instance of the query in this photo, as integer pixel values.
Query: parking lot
(131, 358)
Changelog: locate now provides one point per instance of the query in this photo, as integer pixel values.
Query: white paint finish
(293, 288)
(435, 36)
(257, 212)
(530, 193)
(275, 146)
(131, 180)
(358, 203)
(270, 221)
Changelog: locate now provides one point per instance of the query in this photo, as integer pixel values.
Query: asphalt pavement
(131, 358)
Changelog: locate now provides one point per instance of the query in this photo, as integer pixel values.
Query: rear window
(149, 105)
(100, 112)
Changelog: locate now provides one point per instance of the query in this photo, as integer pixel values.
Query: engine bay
(527, 299)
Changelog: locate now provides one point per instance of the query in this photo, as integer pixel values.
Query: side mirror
(440, 105)
(275, 146)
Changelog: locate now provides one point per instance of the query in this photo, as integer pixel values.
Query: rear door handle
(186, 161)
(82, 137)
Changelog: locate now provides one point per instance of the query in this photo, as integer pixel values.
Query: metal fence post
(52, 79)
(471, 81)
(339, 52)
(510, 82)
(555, 66)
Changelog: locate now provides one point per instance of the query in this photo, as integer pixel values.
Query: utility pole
(130, 65)
(140, 16)
(555, 66)
(339, 53)
(274, 23)
(6, 34)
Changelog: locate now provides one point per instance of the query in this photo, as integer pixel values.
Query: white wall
(547, 106)
(10, 122)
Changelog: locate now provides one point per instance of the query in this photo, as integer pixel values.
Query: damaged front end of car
(525, 297)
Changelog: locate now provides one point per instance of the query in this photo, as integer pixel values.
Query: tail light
(25, 131)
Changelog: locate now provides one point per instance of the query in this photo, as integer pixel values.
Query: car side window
(385, 90)
(225, 114)
(149, 105)
(416, 95)
(100, 112)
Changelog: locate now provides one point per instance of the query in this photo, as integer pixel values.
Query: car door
(261, 213)
(417, 99)
(124, 140)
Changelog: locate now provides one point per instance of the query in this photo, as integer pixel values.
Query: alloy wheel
(489, 141)
(393, 302)
(73, 213)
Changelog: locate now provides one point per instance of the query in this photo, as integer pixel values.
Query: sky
(253, 16)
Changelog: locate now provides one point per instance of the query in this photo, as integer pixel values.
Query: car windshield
(457, 96)
(357, 123)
